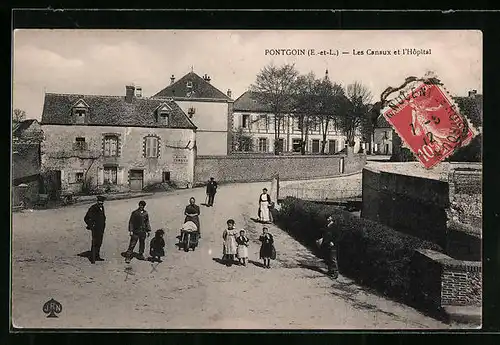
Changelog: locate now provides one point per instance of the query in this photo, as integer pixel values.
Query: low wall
(323, 190)
(439, 280)
(254, 168)
(409, 204)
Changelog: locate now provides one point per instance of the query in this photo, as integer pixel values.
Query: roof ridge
(82, 94)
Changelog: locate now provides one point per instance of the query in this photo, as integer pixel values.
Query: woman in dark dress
(267, 250)
(192, 213)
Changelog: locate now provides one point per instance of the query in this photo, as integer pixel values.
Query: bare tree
(18, 115)
(331, 104)
(306, 105)
(359, 98)
(275, 87)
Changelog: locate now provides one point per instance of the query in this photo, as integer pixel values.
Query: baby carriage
(189, 236)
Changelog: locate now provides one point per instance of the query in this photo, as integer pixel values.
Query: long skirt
(242, 252)
(230, 246)
(264, 212)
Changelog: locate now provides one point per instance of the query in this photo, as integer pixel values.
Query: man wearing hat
(139, 228)
(96, 222)
(329, 246)
(211, 190)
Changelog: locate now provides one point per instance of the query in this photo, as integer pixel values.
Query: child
(242, 241)
(156, 247)
(267, 251)
(229, 237)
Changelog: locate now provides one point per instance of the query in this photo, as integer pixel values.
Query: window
(79, 177)
(315, 126)
(262, 145)
(263, 122)
(332, 146)
(166, 176)
(296, 145)
(111, 146)
(110, 174)
(297, 125)
(245, 121)
(80, 115)
(151, 147)
(315, 146)
(165, 119)
(189, 84)
(80, 143)
(281, 144)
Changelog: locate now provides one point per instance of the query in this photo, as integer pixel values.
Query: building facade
(116, 143)
(254, 121)
(382, 137)
(207, 107)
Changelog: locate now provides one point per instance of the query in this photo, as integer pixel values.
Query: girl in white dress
(242, 241)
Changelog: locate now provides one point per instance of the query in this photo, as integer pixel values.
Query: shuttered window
(151, 149)
(110, 146)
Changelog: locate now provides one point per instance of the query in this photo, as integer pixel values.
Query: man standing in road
(96, 222)
(139, 228)
(211, 190)
(329, 246)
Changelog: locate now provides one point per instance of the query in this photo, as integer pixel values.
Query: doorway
(136, 180)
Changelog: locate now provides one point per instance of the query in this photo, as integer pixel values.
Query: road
(187, 290)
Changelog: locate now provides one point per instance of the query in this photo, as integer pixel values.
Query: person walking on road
(267, 250)
(139, 228)
(95, 218)
(211, 190)
(192, 213)
(264, 203)
(329, 248)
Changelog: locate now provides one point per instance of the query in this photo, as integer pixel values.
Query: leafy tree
(241, 141)
(275, 87)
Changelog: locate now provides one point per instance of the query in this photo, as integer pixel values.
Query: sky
(102, 62)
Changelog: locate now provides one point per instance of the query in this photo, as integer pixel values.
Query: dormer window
(163, 114)
(80, 112)
(191, 112)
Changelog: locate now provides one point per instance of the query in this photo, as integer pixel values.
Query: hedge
(372, 254)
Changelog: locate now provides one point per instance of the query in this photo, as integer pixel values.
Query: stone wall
(249, 168)
(409, 204)
(58, 154)
(439, 280)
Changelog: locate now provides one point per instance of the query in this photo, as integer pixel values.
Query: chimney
(138, 91)
(172, 79)
(129, 95)
(229, 93)
(472, 93)
(206, 78)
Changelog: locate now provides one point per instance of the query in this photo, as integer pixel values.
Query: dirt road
(187, 290)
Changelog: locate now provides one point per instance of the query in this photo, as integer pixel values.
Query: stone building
(382, 137)
(256, 121)
(116, 143)
(207, 107)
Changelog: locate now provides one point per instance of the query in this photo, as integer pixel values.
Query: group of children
(236, 245)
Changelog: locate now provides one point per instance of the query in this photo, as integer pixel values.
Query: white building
(256, 121)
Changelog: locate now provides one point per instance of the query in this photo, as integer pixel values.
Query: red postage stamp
(428, 122)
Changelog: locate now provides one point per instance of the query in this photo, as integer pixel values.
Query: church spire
(326, 74)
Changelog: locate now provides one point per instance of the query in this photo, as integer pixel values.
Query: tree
(18, 115)
(241, 141)
(331, 104)
(359, 98)
(306, 105)
(275, 87)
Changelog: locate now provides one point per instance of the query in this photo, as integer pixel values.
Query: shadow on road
(256, 263)
(313, 268)
(225, 263)
(85, 254)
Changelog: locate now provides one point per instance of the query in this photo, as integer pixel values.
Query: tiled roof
(472, 108)
(382, 122)
(201, 89)
(248, 102)
(19, 127)
(112, 111)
